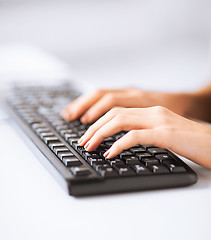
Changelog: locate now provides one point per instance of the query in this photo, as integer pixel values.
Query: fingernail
(64, 114)
(80, 140)
(86, 118)
(67, 116)
(83, 119)
(86, 145)
(106, 153)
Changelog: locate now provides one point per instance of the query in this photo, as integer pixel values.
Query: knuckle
(134, 91)
(137, 93)
(118, 121)
(133, 134)
(161, 115)
(120, 117)
(100, 91)
(114, 111)
(160, 110)
(110, 99)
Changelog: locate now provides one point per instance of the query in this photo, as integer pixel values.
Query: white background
(160, 45)
(150, 43)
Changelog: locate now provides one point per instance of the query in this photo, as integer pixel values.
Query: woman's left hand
(154, 125)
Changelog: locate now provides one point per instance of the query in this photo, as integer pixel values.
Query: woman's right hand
(155, 125)
(90, 107)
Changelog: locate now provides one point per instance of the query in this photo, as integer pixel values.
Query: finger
(75, 109)
(121, 122)
(99, 123)
(146, 136)
(100, 107)
(112, 98)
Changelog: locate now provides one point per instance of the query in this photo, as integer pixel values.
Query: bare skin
(146, 115)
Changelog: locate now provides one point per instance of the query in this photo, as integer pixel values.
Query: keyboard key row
(63, 153)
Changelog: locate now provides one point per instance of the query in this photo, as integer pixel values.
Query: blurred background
(146, 43)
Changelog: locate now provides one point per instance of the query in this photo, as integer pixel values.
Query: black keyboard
(142, 167)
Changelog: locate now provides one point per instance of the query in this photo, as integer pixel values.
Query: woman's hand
(90, 107)
(155, 125)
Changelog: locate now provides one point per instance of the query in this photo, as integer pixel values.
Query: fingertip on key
(64, 114)
(83, 120)
(106, 154)
(81, 141)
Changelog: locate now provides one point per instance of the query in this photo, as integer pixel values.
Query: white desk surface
(33, 206)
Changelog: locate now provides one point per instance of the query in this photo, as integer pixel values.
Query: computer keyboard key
(61, 128)
(116, 162)
(61, 155)
(68, 136)
(91, 154)
(73, 140)
(67, 131)
(177, 169)
(39, 125)
(101, 147)
(74, 124)
(71, 161)
(98, 166)
(81, 133)
(174, 168)
(33, 120)
(108, 139)
(124, 170)
(60, 149)
(131, 160)
(57, 123)
(86, 155)
(79, 128)
(141, 169)
(76, 145)
(81, 150)
(155, 151)
(109, 144)
(101, 153)
(137, 150)
(143, 155)
(96, 161)
(41, 130)
(107, 172)
(164, 157)
(119, 135)
(125, 154)
(47, 140)
(158, 168)
(80, 171)
(149, 161)
(146, 146)
(46, 134)
(56, 144)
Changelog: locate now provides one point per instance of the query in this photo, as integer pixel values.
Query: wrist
(179, 103)
(188, 100)
(198, 105)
